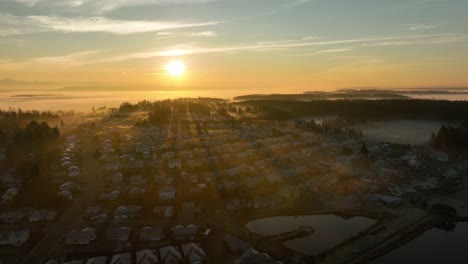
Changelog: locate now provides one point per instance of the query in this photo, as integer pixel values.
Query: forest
(451, 137)
(363, 110)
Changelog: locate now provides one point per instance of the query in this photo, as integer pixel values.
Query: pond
(329, 230)
(433, 246)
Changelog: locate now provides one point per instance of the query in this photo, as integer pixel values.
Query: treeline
(36, 132)
(363, 110)
(194, 104)
(162, 112)
(451, 137)
(332, 126)
(19, 125)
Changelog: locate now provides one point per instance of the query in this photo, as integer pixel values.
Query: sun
(175, 68)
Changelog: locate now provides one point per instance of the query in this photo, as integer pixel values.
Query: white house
(175, 164)
(167, 193)
(146, 256)
(123, 258)
(126, 212)
(170, 255)
(112, 196)
(97, 260)
(80, 237)
(193, 252)
(70, 186)
(41, 215)
(66, 194)
(184, 233)
(166, 211)
(149, 233)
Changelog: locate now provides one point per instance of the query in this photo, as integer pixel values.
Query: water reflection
(329, 230)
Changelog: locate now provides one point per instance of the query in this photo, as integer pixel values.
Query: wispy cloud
(101, 6)
(331, 47)
(14, 25)
(68, 60)
(421, 26)
(205, 34)
(189, 49)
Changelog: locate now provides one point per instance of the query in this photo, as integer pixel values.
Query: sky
(256, 45)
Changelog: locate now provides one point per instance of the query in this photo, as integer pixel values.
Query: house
(184, 233)
(12, 217)
(233, 205)
(146, 256)
(73, 174)
(80, 237)
(170, 255)
(126, 212)
(193, 253)
(175, 164)
(65, 194)
(118, 233)
(75, 261)
(73, 169)
(112, 166)
(123, 258)
(167, 193)
(41, 216)
(97, 260)
(14, 238)
(166, 211)
(70, 186)
(112, 196)
(149, 233)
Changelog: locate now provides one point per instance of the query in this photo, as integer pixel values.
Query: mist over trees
(363, 110)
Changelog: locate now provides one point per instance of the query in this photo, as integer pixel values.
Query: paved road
(73, 217)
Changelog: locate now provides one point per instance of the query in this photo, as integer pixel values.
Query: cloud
(417, 27)
(189, 49)
(101, 6)
(205, 34)
(68, 60)
(14, 25)
(331, 47)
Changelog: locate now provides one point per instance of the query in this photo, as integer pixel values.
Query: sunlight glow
(175, 68)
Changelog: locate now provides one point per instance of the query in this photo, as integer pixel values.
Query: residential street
(73, 217)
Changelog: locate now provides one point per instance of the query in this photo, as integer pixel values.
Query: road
(73, 217)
